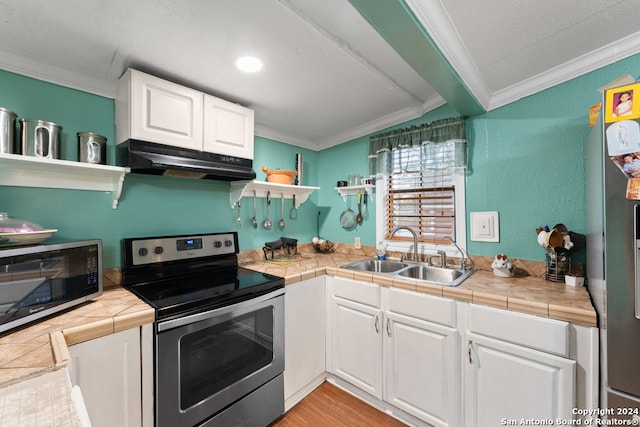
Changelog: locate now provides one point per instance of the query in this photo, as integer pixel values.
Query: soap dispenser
(382, 251)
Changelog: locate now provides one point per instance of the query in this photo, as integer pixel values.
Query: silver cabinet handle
(388, 327)
(470, 351)
(377, 324)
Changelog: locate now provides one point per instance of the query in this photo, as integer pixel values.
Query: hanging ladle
(267, 222)
(281, 223)
(239, 220)
(254, 222)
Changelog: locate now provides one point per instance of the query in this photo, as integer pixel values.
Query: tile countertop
(41, 347)
(525, 294)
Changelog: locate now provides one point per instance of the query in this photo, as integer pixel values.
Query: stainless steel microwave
(37, 281)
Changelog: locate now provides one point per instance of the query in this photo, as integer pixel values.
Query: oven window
(215, 357)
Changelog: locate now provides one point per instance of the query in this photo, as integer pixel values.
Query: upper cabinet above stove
(151, 109)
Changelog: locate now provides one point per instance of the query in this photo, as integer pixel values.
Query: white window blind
(419, 195)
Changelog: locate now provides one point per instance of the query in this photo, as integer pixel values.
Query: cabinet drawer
(548, 335)
(425, 307)
(364, 293)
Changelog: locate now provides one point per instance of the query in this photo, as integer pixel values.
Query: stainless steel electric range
(219, 330)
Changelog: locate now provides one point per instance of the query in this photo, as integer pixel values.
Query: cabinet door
(228, 128)
(507, 382)
(304, 338)
(165, 112)
(356, 345)
(421, 369)
(107, 370)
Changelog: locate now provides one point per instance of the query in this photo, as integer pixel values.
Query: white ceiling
(328, 76)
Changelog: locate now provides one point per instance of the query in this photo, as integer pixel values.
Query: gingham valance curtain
(443, 142)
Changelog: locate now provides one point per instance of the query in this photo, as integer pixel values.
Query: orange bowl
(279, 176)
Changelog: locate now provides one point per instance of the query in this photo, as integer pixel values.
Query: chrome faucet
(415, 239)
(463, 262)
(443, 259)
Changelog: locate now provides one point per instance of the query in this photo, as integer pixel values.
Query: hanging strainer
(348, 218)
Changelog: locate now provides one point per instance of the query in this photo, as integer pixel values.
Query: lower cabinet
(112, 377)
(507, 382)
(439, 362)
(356, 345)
(304, 337)
(383, 342)
(421, 369)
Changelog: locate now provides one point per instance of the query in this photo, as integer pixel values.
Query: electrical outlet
(356, 243)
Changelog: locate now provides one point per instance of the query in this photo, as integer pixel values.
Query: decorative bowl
(279, 176)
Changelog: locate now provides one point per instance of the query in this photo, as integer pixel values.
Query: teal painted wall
(150, 205)
(336, 164)
(526, 162)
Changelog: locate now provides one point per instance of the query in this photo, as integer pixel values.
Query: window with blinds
(419, 197)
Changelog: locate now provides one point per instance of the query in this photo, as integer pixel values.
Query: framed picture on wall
(622, 103)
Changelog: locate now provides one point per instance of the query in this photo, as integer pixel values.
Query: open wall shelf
(354, 190)
(240, 189)
(26, 171)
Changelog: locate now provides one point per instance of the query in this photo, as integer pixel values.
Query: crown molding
(365, 129)
(270, 133)
(40, 71)
(584, 64)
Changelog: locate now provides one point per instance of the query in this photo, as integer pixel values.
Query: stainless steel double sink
(445, 276)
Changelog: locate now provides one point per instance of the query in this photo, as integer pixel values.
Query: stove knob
(217, 244)
(143, 251)
(228, 243)
(158, 250)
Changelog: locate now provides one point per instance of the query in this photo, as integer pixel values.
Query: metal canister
(299, 166)
(7, 131)
(40, 138)
(92, 148)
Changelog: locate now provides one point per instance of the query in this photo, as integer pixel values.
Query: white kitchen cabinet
(112, 375)
(151, 109)
(228, 128)
(451, 363)
(421, 358)
(304, 332)
(355, 334)
(511, 382)
(386, 343)
(518, 366)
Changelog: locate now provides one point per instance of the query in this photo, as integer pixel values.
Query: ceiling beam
(397, 24)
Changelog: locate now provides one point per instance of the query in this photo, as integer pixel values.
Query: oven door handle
(197, 317)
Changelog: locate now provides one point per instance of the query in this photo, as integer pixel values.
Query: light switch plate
(485, 227)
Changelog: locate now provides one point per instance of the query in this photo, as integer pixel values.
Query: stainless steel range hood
(158, 159)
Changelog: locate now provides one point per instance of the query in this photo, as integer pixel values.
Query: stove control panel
(161, 249)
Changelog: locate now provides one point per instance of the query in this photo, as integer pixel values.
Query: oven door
(207, 361)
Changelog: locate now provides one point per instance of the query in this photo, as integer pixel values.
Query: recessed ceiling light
(249, 64)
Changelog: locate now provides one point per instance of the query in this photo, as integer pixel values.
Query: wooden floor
(331, 407)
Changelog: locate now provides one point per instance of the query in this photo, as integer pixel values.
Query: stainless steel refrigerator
(613, 241)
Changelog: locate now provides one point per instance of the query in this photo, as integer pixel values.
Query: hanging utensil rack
(240, 189)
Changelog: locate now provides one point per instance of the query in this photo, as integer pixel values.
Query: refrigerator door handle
(637, 279)
(636, 237)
